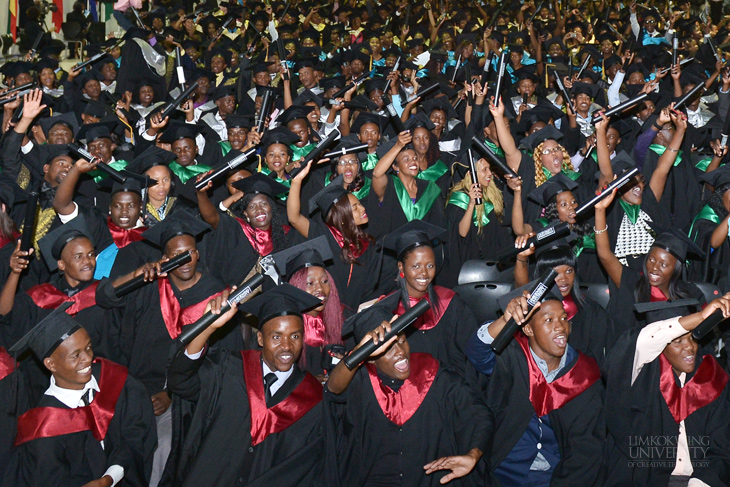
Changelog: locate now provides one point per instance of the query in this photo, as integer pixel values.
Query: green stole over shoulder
(434, 172)
(360, 193)
(567, 172)
(371, 161)
(225, 146)
(493, 146)
(98, 175)
(706, 213)
(286, 182)
(461, 199)
(660, 149)
(417, 210)
(300, 152)
(587, 242)
(186, 173)
(632, 211)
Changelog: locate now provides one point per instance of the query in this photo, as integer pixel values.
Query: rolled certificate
(266, 103)
(317, 151)
(31, 207)
(536, 293)
(359, 355)
(699, 87)
(17, 95)
(387, 83)
(456, 69)
(707, 325)
(138, 281)
(179, 100)
(348, 87)
(493, 158)
(563, 92)
(346, 150)
(585, 65)
(500, 75)
(544, 236)
(625, 177)
(224, 168)
(420, 93)
(110, 171)
(191, 331)
(474, 176)
(620, 107)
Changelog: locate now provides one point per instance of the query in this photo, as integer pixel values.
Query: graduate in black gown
(660, 388)
(344, 222)
(257, 416)
(94, 424)
(401, 418)
(546, 398)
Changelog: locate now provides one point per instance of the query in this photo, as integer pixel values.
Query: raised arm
(293, 203)
(604, 158)
(666, 161)
(63, 202)
(18, 263)
(608, 259)
(206, 207)
(511, 152)
(380, 172)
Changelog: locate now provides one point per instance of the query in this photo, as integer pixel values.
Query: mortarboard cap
(586, 88)
(279, 135)
(546, 133)
(294, 112)
(419, 120)
(53, 243)
(45, 337)
(181, 223)
(664, 310)
(368, 319)
(328, 196)
(283, 300)
(68, 119)
(415, 233)
(239, 121)
(675, 242)
(260, 184)
(94, 131)
(717, 178)
(312, 253)
(180, 130)
(551, 188)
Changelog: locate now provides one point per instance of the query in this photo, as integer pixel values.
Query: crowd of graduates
(205, 222)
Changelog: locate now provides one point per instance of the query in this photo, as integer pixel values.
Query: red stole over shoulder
(174, 317)
(260, 240)
(265, 421)
(656, 295)
(48, 422)
(47, 296)
(123, 237)
(704, 387)
(399, 406)
(7, 364)
(341, 242)
(430, 318)
(548, 397)
(314, 330)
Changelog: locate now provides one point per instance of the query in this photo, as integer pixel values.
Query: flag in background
(57, 18)
(94, 10)
(13, 19)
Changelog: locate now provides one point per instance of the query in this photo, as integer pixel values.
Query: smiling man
(257, 415)
(93, 425)
(545, 397)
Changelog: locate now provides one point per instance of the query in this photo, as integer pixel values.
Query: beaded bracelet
(598, 232)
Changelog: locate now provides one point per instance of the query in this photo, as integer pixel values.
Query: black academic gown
(640, 411)
(219, 448)
(590, 330)
(578, 425)
(15, 402)
(365, 447)
(719, 258)
(73, 459)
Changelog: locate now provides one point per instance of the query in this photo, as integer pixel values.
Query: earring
(402, 275)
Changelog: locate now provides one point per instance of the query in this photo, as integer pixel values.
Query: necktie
(269, 380)
(86, 398)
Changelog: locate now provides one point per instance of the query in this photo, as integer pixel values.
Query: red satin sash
(704, 387)
(341, 242)
(548, 397)
(314, 330)
(260, 240)
(7, 364)
(265, 421)
(123, 237)
(174, 317)
(399, 406)
(656, 295)
(48, 422)
(47, 296)
(571, 309)
(429, 319)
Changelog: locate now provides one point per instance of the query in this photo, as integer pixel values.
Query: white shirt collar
(71, 397)
(281, 377)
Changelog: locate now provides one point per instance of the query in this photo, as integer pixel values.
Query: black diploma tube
(387, 83)
(394, 117)
(474, 177)
(689, 95)
(563, 92)
(179, 100)
(346, 150)
(469, 94)
(620, 107)
(139, 19)
(537, 10)
(37, 41)
(191, 331)
(708, 39)
(224, 27)
(536, 293)
(282, 54)
(500, 75)
(348, 87)
(17, 95)
(19, 88)
(492, 157)
(110, 171)
(681, 63)
(29, 221)
(361, 354)
(179, 68)
(456, 69)
(675, 48)
(266, 103)
(420, 93)
(585, 65)
(625, 177)
(725, 131)
(138, 281)
(544, 236)
(707, 325)
(316, 152)
(222, 169)
(485, 71)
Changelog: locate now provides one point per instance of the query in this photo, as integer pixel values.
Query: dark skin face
(421, 141)
(23, 79)
(565, 278)
(125, 208)
(146, 95)
(613, 138)
(218, 64)
(101, 148)
(93, 89)
(395, 363)
(438, 117)
(660, 266)
(306, 76)
(406, 163)
(109, 71)
(349, 166)
(276, 158)
(47, 78)
(281, 340)
(60, 134)
(237, 137)
(318, 285)
(262, 78)
(646, 111)
(634, 194)
(376, 96)
(681, 353)
(370, 135)
(259, 212)
(419, 269)
(203, 86)
(548, 331)
(70, 363)
(57, 170)
(78, 261)
(566, 205)
(236, 176)
(300, 128)
(226, 105)
(185, 149)
(187, 275)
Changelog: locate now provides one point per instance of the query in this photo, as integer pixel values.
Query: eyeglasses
(650, 21)
(547, 152)
(343, 162)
